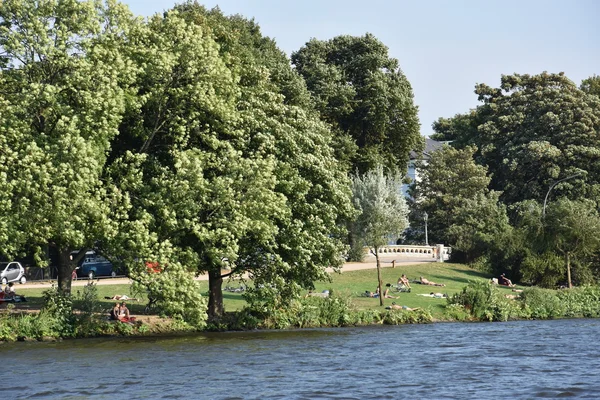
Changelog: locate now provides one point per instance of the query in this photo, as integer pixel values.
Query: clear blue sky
(445, 47)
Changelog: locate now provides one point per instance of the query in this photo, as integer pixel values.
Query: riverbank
(466, 295)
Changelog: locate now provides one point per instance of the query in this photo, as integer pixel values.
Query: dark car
(94, 265)
(12, 272)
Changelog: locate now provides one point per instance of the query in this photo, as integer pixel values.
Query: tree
(228, 163)
(462, 211)
(382, 212)
(530, 132)
(591, 85)
(572, 229)
(63, 81)
(364, 95)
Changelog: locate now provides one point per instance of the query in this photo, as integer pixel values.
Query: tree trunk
(65, 271)
(379, 277)
(568, 259)
(215, 290)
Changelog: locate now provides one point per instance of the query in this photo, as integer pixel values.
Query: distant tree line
(518, 188)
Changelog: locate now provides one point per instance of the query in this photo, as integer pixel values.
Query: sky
(445, 47)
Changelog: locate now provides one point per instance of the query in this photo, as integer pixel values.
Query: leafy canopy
(366, 98)
(530, 132)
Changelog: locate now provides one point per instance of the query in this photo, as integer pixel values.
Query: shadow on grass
(470, 273)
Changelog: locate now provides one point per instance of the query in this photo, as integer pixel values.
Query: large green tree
(530, 132)
(572, 229)
(62, 95)
(227, 161)
(382, 212)
(366, 98)
(462, 211)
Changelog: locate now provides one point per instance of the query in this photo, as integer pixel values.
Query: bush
(484, 302)
(580, 302)
(87, 301)
(541, 304)
(397, 317)
(58, 311)
(457, 312)
(174, 291)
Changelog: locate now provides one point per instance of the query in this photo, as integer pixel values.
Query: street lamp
(425, 216)
(550, 189)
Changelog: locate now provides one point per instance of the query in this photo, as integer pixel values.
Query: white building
(430, 146)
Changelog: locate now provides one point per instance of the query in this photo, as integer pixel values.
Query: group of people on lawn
(8, 294)
(402, 282)
(120, 312)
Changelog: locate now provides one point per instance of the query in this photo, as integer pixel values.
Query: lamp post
(425, 216)
(552, 187)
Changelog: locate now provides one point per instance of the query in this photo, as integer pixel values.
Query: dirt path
(369, 263)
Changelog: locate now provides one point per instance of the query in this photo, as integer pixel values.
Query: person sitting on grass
(9, 291)
(10, 294)
(425, 281)
(114, 312)
(504, 281)
(120, 312)
(403, 280)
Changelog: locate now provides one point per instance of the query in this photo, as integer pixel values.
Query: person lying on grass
(436, 295)
(425, 281)
(386, 294)
(395, 306)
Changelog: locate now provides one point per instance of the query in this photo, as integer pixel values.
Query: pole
(426, 238)
(552, 187)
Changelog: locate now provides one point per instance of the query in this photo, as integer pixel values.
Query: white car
(12, 272)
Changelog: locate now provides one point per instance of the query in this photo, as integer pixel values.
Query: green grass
(454, 276)
(352, 283)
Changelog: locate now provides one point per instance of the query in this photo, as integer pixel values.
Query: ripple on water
(535, 359)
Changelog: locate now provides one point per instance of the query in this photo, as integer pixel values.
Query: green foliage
(308, 312)
(382, 208)
(462, 211)
(591, 85)
(546, 270)
(559, 245)
(87, 301)
(457, 312)
(174, 291)
(58, 306)
(366, 98)
(530, 132)
(580, 302)
(64, 80)
(484, 302)
(542, 303)
(397, 317)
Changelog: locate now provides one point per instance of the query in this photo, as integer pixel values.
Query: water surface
(525, 359)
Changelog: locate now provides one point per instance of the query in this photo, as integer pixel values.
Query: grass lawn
(351, 283)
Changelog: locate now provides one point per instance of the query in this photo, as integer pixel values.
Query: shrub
(580, 302)
(397, 317)
(542, 303)
(457, 312)
(87, 301)
(58, 309)
(484, 302)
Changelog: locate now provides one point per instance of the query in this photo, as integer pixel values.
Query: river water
(513, 360)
